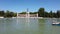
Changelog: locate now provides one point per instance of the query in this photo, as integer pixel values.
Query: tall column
(37, 14)
(28, 14)
(17, 14)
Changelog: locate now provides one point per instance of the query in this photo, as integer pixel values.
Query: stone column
(37, 14)
(17, 14)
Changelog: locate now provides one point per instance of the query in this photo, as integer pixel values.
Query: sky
(32, 5)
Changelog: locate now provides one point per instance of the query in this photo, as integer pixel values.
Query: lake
(28, 26)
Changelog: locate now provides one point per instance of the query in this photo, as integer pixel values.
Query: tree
(33, 12)
(15, 14)
(1, 13)
(41, 12)
(22, 13)
(46, 14)
(9, 14)
(51, 14)
(58, 13)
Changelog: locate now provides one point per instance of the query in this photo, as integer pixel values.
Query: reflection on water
(28, 26)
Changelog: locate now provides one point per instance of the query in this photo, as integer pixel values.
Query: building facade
(27, 15)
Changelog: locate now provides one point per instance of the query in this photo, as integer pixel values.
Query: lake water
(28, 26)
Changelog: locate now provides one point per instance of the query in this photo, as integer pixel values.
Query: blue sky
(32, 5)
